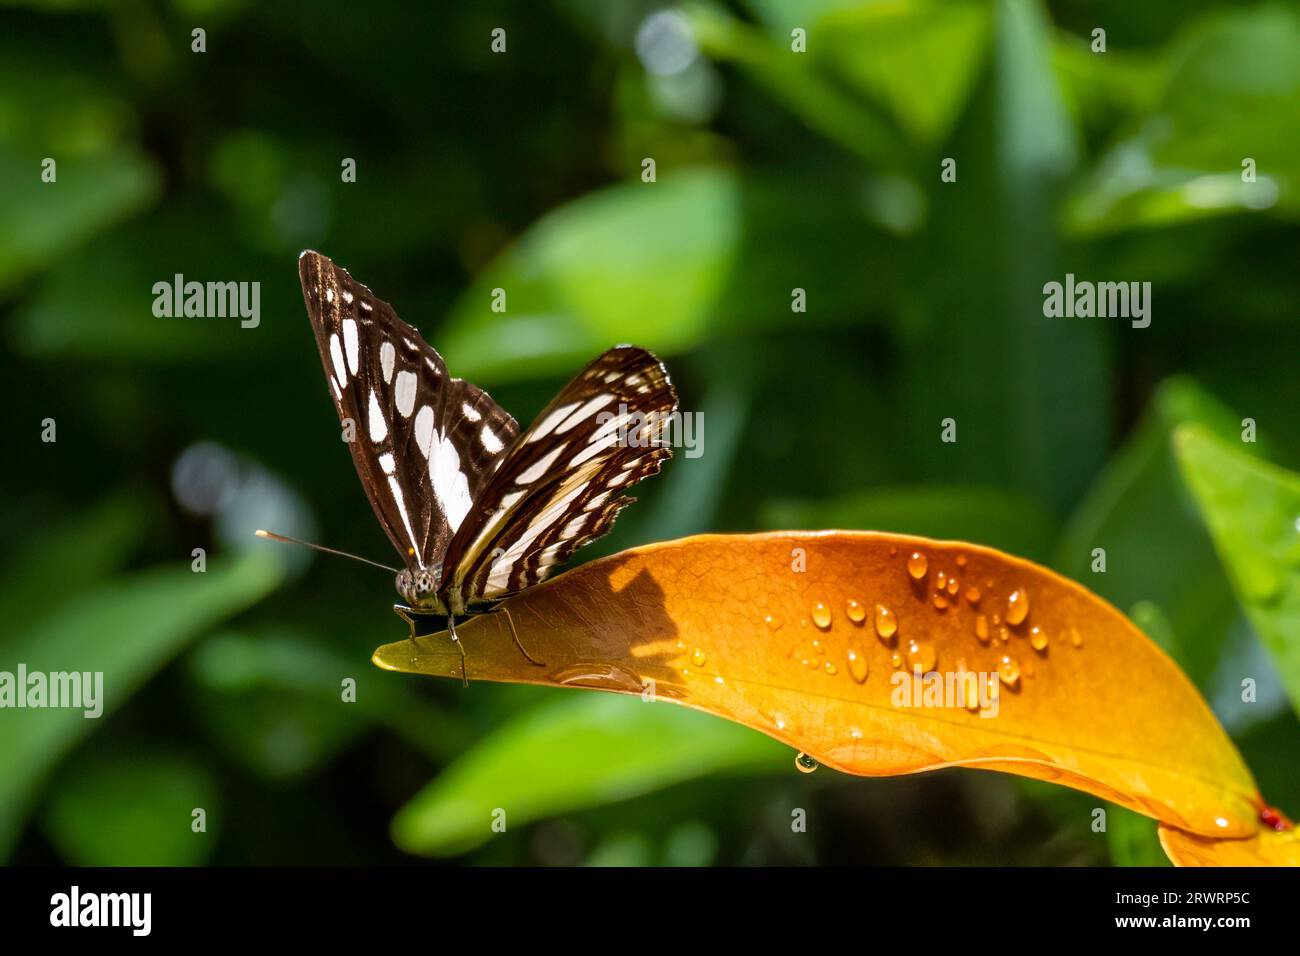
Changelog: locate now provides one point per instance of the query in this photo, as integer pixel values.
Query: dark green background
(775, 170)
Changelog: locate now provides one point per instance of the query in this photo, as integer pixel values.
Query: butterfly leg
(515, 634)
(405, 614)
(451, 626)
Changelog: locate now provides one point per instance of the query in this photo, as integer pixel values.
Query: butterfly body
(477, 509)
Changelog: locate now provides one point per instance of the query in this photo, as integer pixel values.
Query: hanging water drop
(1009, 670)
(855, 611)
(805, 763)
(697, 658)
(982, 629)
(1037, 638)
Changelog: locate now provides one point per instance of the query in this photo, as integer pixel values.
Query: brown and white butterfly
(477, 509)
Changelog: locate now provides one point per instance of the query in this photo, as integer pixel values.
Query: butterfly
(477, 509)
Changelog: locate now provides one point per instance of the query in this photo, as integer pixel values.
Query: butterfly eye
(423, 582)
(404, 583)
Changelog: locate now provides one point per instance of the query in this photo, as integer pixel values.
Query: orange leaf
(730, 624)
(1265, 848)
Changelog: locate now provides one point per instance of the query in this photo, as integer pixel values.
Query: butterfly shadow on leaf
(593, 627)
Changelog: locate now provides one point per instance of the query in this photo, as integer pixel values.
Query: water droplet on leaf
(857, 665)
(886, 623)
(917, 565)
(920, 654)
(1017, 606)
(821, 615)
(1037, 638)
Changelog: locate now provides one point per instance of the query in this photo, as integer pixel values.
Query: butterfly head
(417, 586)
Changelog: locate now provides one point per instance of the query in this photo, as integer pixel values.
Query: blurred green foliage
(775, 170)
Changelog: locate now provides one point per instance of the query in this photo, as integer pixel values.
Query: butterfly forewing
(561, 484)
(424, 444)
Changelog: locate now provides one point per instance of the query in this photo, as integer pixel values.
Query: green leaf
(692, 489)
(44, 220)
(1252, 509)
(1232, 92)
(1156, 550)
(1100, 89)
(1152, 620)
(280, 717)
(89, 544)
(55, 105)
(125, 630)
(988, 516)
(667, 265)
(578, 752)
(919, 57)
(793, 80)
(622, 850)
(133, 809)
(641, 262)
(275, 702)
(980, 352)
(1133, 839)
(97, 305)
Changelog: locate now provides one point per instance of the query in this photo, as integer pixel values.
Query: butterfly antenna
(285, 539)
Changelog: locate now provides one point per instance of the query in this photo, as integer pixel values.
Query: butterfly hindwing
(424, 444)
(561, 485)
